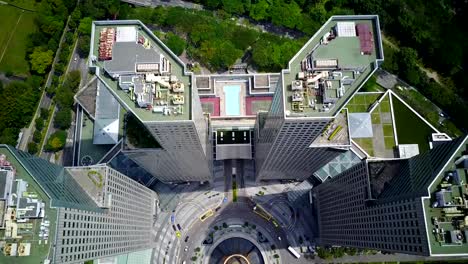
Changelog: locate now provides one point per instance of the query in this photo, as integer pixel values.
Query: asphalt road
(197, 201)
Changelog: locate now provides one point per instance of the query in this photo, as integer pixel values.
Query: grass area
(14, 58)
(361, 102)
(366, 144)
(375, 116)
(260, 106)
(26, 4)
(385, 105)
(387, 130)
(410, 128)
(428, 110)
(389, 142)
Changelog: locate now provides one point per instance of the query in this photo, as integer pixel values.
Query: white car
(186, 249)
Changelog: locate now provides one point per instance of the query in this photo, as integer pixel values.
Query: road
(66, 159)
(196, 201)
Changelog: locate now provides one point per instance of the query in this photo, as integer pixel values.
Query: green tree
(44, 113)
(32, 148)
(39, 123)
(56, 141)
(259, 10)
(233, 6)
(37, 136)
(9, 136)
(175, 43)
(83, 46)
(324, 253)
(283, 14)
(408, 65)
(41, 59)
(62, 119)
(85, 26)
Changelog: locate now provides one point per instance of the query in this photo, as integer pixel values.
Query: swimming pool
(232, 100)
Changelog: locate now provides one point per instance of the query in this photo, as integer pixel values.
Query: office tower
(415, 206)
(306, 126)
(152, 84)
(84, 213)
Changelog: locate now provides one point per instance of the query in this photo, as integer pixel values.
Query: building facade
(91, 212)
(386, 204)
(152, 84)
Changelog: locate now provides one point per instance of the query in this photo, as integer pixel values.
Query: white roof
(106, 131)
(346, 29)
(126, 34)
(360, 125)
(408, 150)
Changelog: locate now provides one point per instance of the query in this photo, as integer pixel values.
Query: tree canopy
(41, 59)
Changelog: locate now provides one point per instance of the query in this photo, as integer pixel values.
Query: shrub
(56, 141)
(225, 225)
(39, 123)
(37, 136)
(32, 147)
(44, 113)
(194, 258)
(63, 118)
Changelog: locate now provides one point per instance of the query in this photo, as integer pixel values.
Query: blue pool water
(232, 102)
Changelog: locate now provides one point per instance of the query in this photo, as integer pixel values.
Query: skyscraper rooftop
(332, 66)
(142, 72)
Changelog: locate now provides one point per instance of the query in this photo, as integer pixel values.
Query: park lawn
(387, 130)
(366, 144)
(385, 105)
(9, 17)
(389, 142)
(375, 116)
(410, 128)
(14, 58)
(361, 102)
(26, 4)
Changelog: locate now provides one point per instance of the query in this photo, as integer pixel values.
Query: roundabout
(236, 250)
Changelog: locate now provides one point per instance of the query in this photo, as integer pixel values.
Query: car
(178, 226)
(186, 248)
(172, 218)
(178, 234)
(173, 227)
(279, 238)
(186, 238)
(75, 59)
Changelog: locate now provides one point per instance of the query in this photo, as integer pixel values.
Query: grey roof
(32, 207)
(106, 122)
(107, 107)
(3, 186)
(360, 125)
(126, 54)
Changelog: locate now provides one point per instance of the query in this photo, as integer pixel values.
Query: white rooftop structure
(360, 125)
(126, 34)
(346, 29)
(106, 123)
(408, 150)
